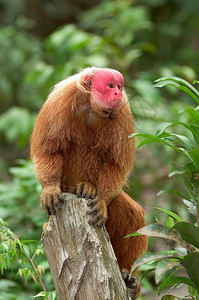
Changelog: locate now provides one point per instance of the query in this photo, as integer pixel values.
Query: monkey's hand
(86, 190)
(51, 198)
(99, 211)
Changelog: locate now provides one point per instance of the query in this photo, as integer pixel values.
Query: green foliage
(23, 194)
(114, 19)
(20, 133)
(19, 256)
(186, 166)
(19, 52)
(23, 257)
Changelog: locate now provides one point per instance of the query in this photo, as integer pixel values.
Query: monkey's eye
(111, 85)
(119, 86)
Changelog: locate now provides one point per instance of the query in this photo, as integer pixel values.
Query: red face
(106, 86)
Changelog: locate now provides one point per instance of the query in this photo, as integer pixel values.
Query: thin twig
(38, 276)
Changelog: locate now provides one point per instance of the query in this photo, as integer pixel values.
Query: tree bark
(81, 258)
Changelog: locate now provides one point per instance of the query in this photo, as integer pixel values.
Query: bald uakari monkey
(80, 144)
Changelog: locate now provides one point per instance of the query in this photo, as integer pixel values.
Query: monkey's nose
(118, 94)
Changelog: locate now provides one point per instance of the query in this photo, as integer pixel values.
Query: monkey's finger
(93, 201)
(45, 205)
(52, 205)
(61, 198)
(100, 222)
(57, 202)
(46, 208)
(93, 210)
(87, 192)
(48, 204)
(95, 219)
(79, 190)
(90, 192)
(93, 193)
(48, 211)
(83, 189)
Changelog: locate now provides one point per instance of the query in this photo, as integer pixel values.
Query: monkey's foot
(86, 190)
(51, 199)
(132, 284)
(99, 211)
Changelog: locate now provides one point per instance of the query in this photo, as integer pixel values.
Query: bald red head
(106, 87)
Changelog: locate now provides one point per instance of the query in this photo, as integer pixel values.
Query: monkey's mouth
(115, 103)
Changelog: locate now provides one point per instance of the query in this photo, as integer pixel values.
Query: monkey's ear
(88, 79)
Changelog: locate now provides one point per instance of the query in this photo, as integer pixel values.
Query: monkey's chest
(86, 155)
(83, 163)
(92, 154)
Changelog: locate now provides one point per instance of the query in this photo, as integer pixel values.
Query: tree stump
(81, 258)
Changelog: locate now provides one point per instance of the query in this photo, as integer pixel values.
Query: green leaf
(191, 207)
(147, 141)
(179, 86)
(195, 81)
(152, 257)
(183, 141)
(194, 154)
(133, 234)
(195, 131)
(26, 251)
(191, 156)
(170, 222)
(173, 192)
(172, 214)
(174, 171)
(175, 280)
(155, 139)
(51, 296)
(193, 190)
(179, 83)
(193, 128)
(162, 127)
(158, 230)
(168, 297)
(193, 113)
(188, 232)
(191, 263)
(40, 294)
(190, 93)
(162, 267)
(161, 82)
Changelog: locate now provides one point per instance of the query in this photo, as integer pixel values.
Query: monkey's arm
(48, 168)
(49, 138)
(111, 181)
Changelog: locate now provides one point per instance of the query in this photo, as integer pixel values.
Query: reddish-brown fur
(74, 142)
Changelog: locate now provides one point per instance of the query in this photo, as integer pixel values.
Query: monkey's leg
(125, 216)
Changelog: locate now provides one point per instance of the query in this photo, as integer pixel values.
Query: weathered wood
(81, 258)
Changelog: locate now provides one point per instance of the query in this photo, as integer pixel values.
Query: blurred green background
(41, 43)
